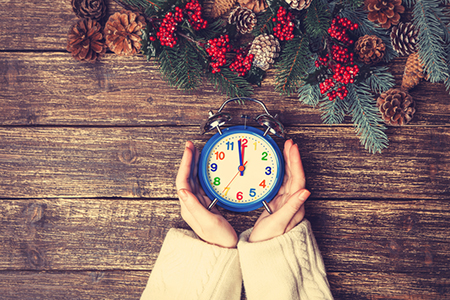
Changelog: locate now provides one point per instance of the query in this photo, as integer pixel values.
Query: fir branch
(430, 39)
(409, 3)
(333, 112)
(230, 83)
(309, 94)
(367, 27)
(353, 4)
(294, 62)
(264, 23)
(366, 118)
(380, 79)
(318, 19)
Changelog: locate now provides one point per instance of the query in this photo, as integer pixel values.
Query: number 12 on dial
(241, 168)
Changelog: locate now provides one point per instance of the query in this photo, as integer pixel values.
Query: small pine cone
(404, 38)
(299, 4)
(370, 49)
(396, 106)
(216, 8)
(256, 6)
(123, 32)
(413, 73)
(384, 12)
(85, 40)
(244, 18)
(93, 9)
(265, 48)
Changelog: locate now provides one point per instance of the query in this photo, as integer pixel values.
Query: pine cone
(396, 106)
(370, 49)
(299, 4)
(216, 8)
(384, 12)
(265, 48)
(256, 6)
(413, 73)
(93, 9)
(123, 32)
(244, 18)
(85, 40)
(404, 38)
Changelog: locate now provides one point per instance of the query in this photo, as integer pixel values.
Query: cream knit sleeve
(288, 267)
(188, 268)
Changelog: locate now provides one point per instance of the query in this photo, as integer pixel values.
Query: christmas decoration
(370, 49)
(89, 9)
(299, 4)
(265, 48)
(85, 40)
(396, 106)
(216, 8)
(244, 18)
(123, 32)
(413, 73)
(256, 6)
(404, 38)
(384, 12)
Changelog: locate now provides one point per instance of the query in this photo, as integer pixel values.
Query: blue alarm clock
(241, 167)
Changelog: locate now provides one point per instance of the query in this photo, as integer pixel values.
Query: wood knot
(35, 257)
(128, 155)
(35, 213)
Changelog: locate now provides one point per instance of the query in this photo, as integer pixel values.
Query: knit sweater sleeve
(188, 268)
(288, 267)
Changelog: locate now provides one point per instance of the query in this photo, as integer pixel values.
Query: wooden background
(89, 154)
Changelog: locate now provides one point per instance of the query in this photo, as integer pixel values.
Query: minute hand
(241, 157)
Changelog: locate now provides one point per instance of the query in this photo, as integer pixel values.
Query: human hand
(288, 205)
(210, 226)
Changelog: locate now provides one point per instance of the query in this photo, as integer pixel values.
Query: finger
(297, 179)
(291, 207)
(184, 172)
(286, 153)
(194, 207)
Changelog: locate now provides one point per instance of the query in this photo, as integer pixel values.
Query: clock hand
(234, 176)
(241, 157)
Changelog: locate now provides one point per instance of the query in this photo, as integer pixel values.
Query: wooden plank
(125, 285)
(54, 89)
(114, 234)
(42, 162)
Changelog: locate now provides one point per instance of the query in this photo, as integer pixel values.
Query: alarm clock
(241, 167)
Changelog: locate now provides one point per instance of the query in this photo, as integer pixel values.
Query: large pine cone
(404, 38)
(299, 4)
(396, 106)
(85, 41)
(413, 73)
(384, 12)
(265, 48)
(123, 32)
(370, 49)
(256, 6)
(93, 9)
(244, 18)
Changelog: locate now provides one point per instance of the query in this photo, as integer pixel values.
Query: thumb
(292, 206)
(191, 203)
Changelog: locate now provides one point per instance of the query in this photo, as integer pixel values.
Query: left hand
(210, 226)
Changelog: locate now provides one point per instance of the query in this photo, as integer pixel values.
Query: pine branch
(380, 79)
(409, 3)
(367, 27)
(333, 112)
(366, 118)
(309, 94)
(294, 62)
(264, 23)
(230, 83)
(353, 4)
(430, 39)
(318, 19)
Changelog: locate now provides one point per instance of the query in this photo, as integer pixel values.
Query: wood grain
(41, 162)
(95, 234)
(54, 89)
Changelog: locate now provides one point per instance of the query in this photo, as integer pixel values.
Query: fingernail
(187, 144)
(183, 194)
(304, 194)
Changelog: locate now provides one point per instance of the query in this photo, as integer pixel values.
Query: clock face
(241, 168)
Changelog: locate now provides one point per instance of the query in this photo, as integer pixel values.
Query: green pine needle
(333, 112)
(230, 83)
(295, 60)
(309, 94)
(318, 19)
(366, 118)
(380, 79)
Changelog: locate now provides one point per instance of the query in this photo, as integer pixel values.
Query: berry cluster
(345, 74)
(339, 29)
(217, 48)
(322, 61)
(193, 10)
(284, 27)
(166, 32)
(342, 75)
(242, 64)
(341, 54)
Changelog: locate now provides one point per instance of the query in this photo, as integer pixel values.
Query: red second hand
(233, 178)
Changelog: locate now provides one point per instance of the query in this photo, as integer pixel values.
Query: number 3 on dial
(241, 168)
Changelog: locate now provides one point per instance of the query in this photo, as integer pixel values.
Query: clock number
(220, 155)
(214, 167)
(264, 155)
(252, 192)
(239, 196)
(268, 170)
(255, 143)
(230, 146)
(216, 181)
(226, 191)
(263, 183)
(243, 142)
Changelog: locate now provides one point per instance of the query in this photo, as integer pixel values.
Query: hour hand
(241, 158)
